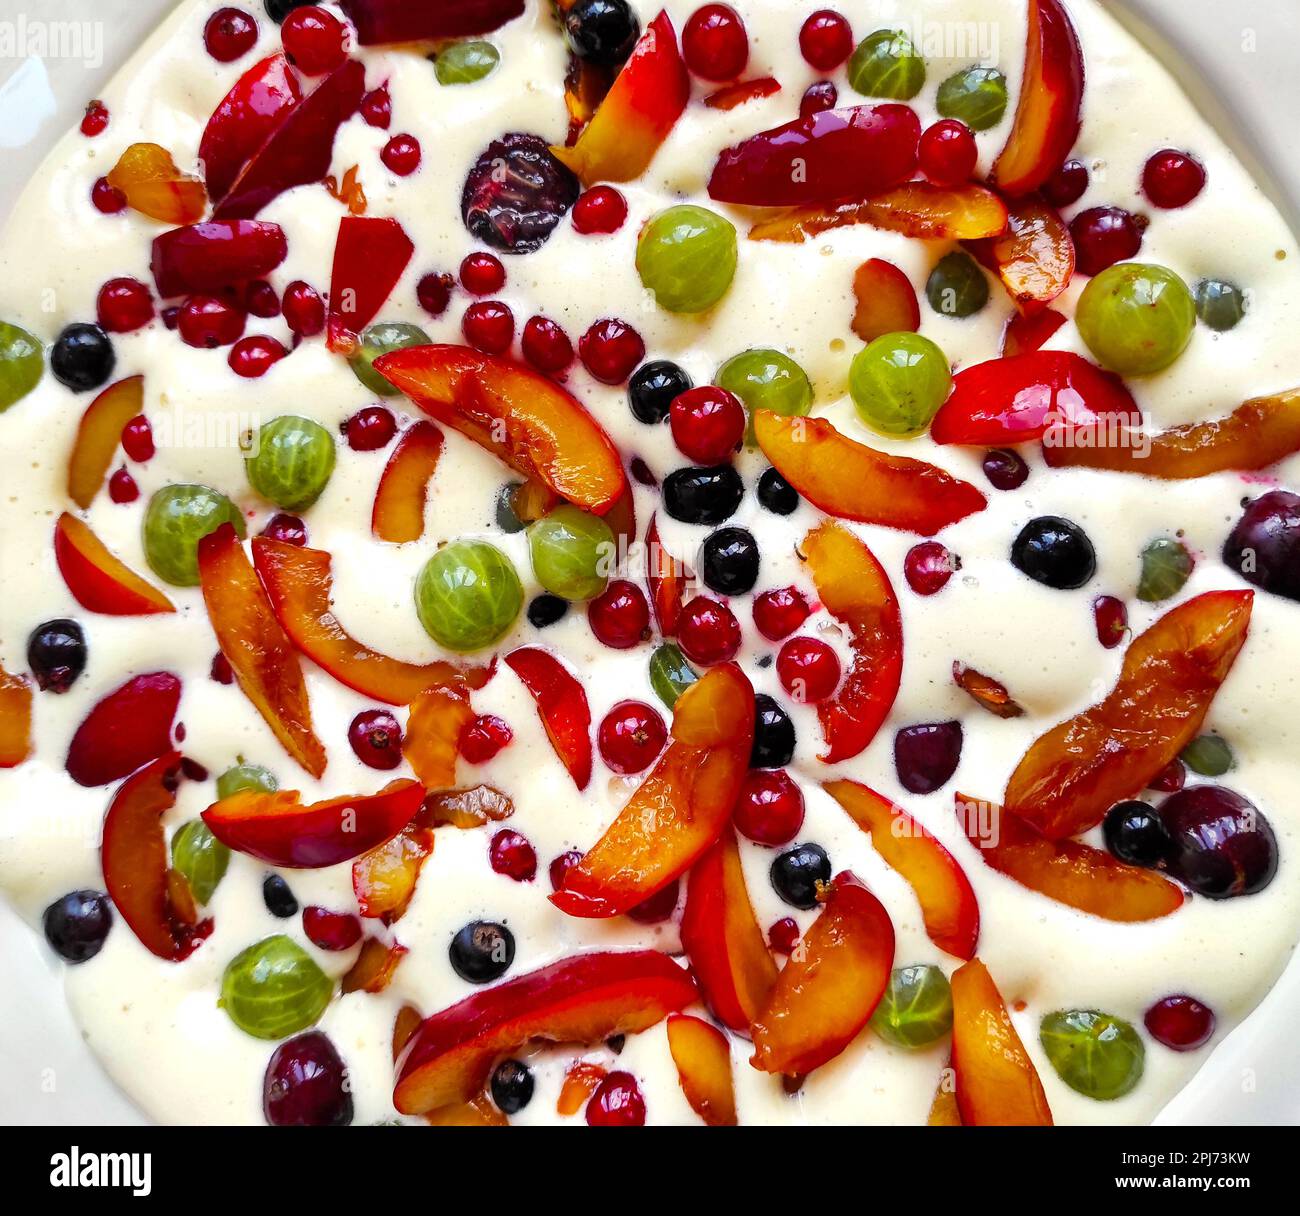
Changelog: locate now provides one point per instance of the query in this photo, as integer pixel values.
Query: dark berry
(278, 10)
(653, 388)
(1067, 185)
(1111, 618)
(1055, 552)
(819, 96)
(730, 561)
(56, 654)
(560, 866)
(601, 31)
(1005, 469)
(434, 293)
(1170, 779)
(516, 194)
(546, 610)
(376, 738)
(1222, 846)
(512, 1086)
(659, 907)
(229, 33)
(1264, 547)
(82, 357)
(796, 873)
(1104, 236)
(77, 925)
(286, 528)
(278, 897)
(926, 756)
(703, 495)
(261, 301)
(774, 737)
(482, 951)
(306, 1084)
(777, 495)
(1135, 833)
(1181, 1023)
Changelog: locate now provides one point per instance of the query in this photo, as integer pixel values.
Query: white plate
(1237, 62)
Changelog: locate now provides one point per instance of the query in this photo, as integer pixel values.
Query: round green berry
(916, 1009)
(976, 96)
(1095, 1054)
(573, 552)
(381, 339)
(957, 287)
(177, 518)
(21, 364)
(899, 382)
(200, 857)
(274, 989)
(686, 257)
(887, 64)
(468, 595)
(1136, 318)
(292, 463)
(466, 62)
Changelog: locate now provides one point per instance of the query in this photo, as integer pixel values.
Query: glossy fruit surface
(274, 989)
(376, 739)
(826, 40)
(916, 1008)
(482, 951)
(1136, 834)
(1055, 552)
(245, 777)
(1264, 546)
(1095, 1054)
(207, 322)
(328, 930)
(511, 1086)
(617, 1102)
(468, 595)
(809, 670)
(819, 96)
(201, 857)
(770, 809)
(489, 326)
(1208, 756)
(774, 734)
(620, 616)
(1181, 1023)
(306, 1084)
(714, 43)
(653, 389)
(572, 552)
(1166, 567)
(546, 346)
(546, 610)
(1067, 185)
(1005, 469)
(1223, 846)
(928, 567)
(292, 463)
(670, 673)
(510, 854)
(123, 305)
(631, 736)
(599, 211)
(948, 152)
(976, 96)
(602, 32)
(370, 429)
(21, 364)
(926, 756)
(767, 379)
(1136, 318)
(56, 654)
(177, 518)
(611, 350)
(899, 382)
(313, 40)
(779, 612)
(1103, 236)
(433, 291)
(777, 495)
(703, 495)
(730, 561)
(708, 632)
(228, 34)
(77, 924)
(278, 897)
(466, 62)
(516, 194)
(797, 873)
(82, 357)
(957, 287)
(887, 64)
(708, 424)
(1172, 179)
(255, 355)
(1219, 304)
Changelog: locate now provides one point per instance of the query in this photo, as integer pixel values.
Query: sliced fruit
(1012, 400)
(732, 95)
(154, 900)
(679, 809)
(398, 514)
(1077, 771)
(985, 691)
(1028, 332)
(433, 728)
(852, 153)
(477, 1112)
(98, 435)
(385, 21)
(580, 1083)
(1034, 258)
(562, 706)
(242, 123)
(1051, 97)
(948, 904)
(722, 938)
(703, 1059)
(300, 148)
(15, 719)
(849, 480)
(369, 257)
(147, 175)
(583, 999)
(467, 808)
(279, 829)
(829, 989)
(943, 1110)
(256, 646)
(526, 419)
(207, 257)
(1257, 434)
(374, 967)
(99, 581)
(384, 879)
(1085, 878)
(919, 209)
(299, 582)
(667, 579)
(128, 728)
(886, 301)
(636, 115)
(997, 1084)
(855, 589)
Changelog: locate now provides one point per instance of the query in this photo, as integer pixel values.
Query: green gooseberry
(293, 462)
(572, 551)
(1166, 567)
(916, 1008)
(670, 673)
(887, 64)
(899, 382)
(242, 778)
(1219, 304)
(1095, 1054)
(466, 62)
(957, 287)
(766, 379)
(1208, 755)
(686, 257)
(21, 364)
(382, 338)
(976, 96)
(201, 857)
(1136, 318)
(468, 595)
(177, 518)
(274, 989)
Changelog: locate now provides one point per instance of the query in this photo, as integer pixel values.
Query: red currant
(783, 936)
(1067, 185)
(370, 429)
(928, 567)
(106, 197)
(631, 736)
(611, 350)
(510, 854)
(1170, 779)
(377, 108)
(948, 152)
(619, 616)
(560, 867)
(376, 738)
(714, 43)
(1005, 469)
(778, 613)
(287, 529)
(402, 155)
(546, 346)
(659, 907)
(1104, 236)
(489, 326)
(124, 305)
(481, 274)
(122, 487)
(304, 310)
(221, 672)
(617, 1102)
(209, 321)
(708, 424)
(255, 355)
(601, 209)
(95, 120)
(809, 670)
(818, 96)
(328, 930)
(484, 737)
(826, 40)
(770, 807)
(137, 439)
(1111, 618)
(313, 40)
(260, 300)
(229, 33)
(434, 293)
(1181, 1023)
(1172, 179)
(708, 631)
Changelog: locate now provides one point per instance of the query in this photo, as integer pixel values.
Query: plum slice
(128, 728)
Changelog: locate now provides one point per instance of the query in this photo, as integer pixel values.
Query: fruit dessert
(713, 564)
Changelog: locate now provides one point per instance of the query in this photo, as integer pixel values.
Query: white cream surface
(157, 1026)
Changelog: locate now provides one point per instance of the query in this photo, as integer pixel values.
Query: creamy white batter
(156, 1025)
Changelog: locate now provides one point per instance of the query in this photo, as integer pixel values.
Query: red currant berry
(95, 120)
(221, 671)
(1170, 779)
(948, 152)
(370, 429)
(481, 274)
(434, 293)
(601, 209)
(560, 867)
(1181, 1023)
(714, 43)
(484, 737)
(377, 108)
(631, 736)
(928, 567)
(619, 616)
(1104, 236)
(328, 930)
(826, 40)
(708, 631)
(809, 670)
(770, 807)
(546, 346)
(510, 854)
(783, 936)
(617, 1103)
(287, 529)
(778, 613)
(1172, 179)
(489, 326)
(402, 155)
(1067, 185)
(313, 40)
(708, 424)
(659, 907)
(611, 350)
(260, 300)
(229, 33)
(209, 321)
(376, 738)
(137, 439)
(107, 198)
(124, 305)
(255, 355)
(818, 96)
(304, 310)
(122, 487)
(1111, 618)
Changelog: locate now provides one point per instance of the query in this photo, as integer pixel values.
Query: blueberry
(730, 565)
(1055, 552)
(773, 734)
(512, 1086)
(77, 924)
(653, 388)
(278, 10)
(1005, 469)
(703, 496)
(602, 31)
(279, 898)
(506, 519)
(796, 873)
(82, 357)
(56, 653)
(776, 494)
(546, 610)
(1136, 834)
(482, 951)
